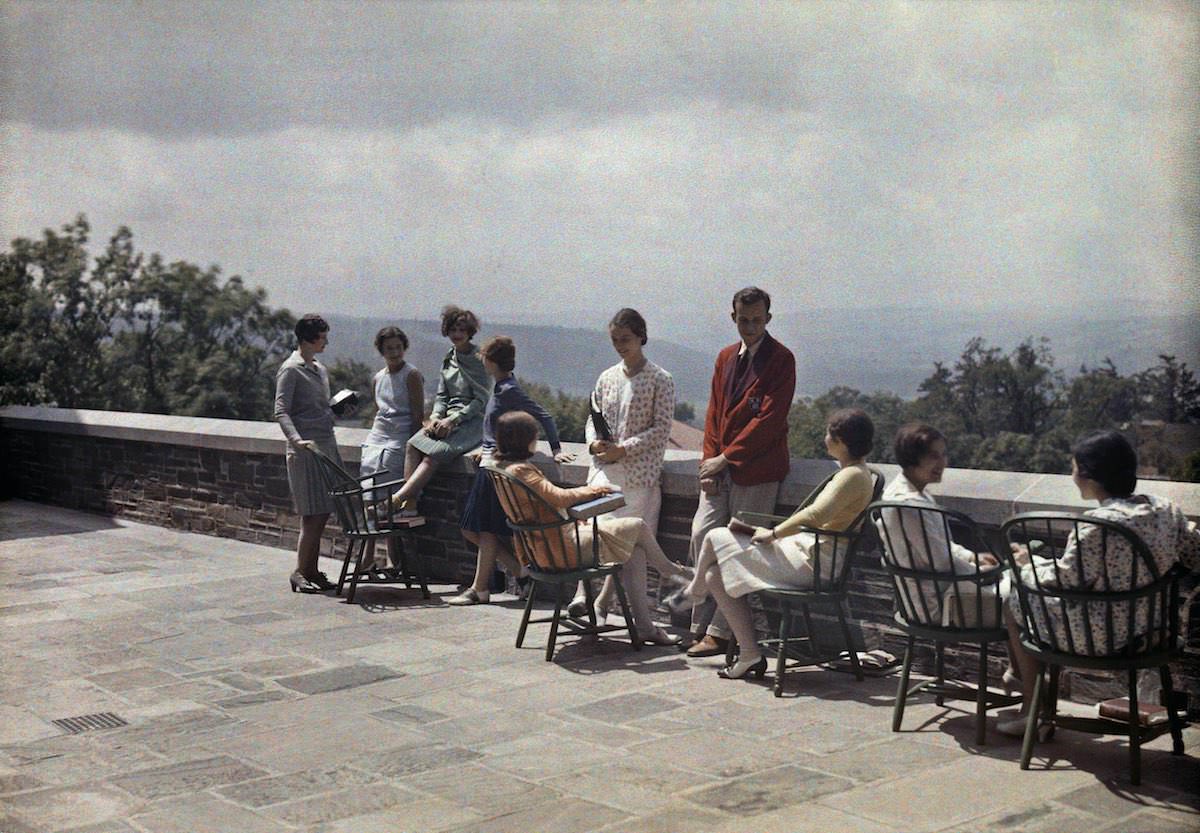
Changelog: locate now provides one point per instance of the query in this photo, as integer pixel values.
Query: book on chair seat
(1118, 709)
(596, 506)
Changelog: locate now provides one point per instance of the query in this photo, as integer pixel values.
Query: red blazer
(751, 429)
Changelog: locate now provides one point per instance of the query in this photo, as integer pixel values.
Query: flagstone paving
(250, 708)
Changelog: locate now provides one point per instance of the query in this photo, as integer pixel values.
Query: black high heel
(737, 671)
(301, 584)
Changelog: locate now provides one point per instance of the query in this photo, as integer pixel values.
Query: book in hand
(1118, 709)
(344, 402)
(599, 423)
(596, 506)
(741, 527)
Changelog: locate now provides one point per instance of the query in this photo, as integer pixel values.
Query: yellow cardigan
(838, 504)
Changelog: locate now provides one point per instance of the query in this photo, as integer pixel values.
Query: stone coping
(987, 496)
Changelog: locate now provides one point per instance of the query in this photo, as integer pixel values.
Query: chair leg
(554, 623)
(902, 686)
(358, 565)
(345, 566)
(785, 628)
(633, 634)
(940, 662)
(854, 663)
(981, 697)
(589, 596)
(1031, 722)
(1176, 723)
(1050, 711)
(1135, 732)
(528, 611)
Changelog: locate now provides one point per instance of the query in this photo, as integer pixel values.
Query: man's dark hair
(501, 351)
(309, 327)
(750, 296)
(631, 318)
(389, 332)
(452, 315)
(854, 428)
(914, 441)
(1108, 458)
(515, 431)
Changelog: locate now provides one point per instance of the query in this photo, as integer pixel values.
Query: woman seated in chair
(920, 450)
(625, 541)
(1104, 468)
(732, 564)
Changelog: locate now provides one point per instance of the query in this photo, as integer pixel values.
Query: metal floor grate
(87, 722)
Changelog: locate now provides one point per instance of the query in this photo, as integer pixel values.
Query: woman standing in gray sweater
(303, 412)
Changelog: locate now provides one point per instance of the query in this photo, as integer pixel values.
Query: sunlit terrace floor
(250, 708)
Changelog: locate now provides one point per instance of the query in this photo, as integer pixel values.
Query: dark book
(596, 506)
(1118, 709)
(741, 527)
(599, 423)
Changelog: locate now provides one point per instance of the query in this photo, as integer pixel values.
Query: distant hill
(872, 349)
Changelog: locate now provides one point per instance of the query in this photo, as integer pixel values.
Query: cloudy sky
(550, 162)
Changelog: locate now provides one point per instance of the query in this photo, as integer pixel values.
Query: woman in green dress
(455, 426)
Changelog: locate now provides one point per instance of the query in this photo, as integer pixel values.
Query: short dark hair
(914, 441)
(452, 315)
(310, 326)
(631, 318)
(1108, 458)
(854, 428)
(515, 431)
(750, 296)
(389, 332)
(501, 351)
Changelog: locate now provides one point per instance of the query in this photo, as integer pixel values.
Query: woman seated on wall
(483, 522)
(733, 565)
(456, 424)
(625, 541)
(1104, 468)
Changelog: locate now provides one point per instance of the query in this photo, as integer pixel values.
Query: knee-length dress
(788, 560)
(302, 411)
(462, 394)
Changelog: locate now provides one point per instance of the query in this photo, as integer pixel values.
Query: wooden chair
(940, 600)
(1075, 613)
(364, 510)
(831, 555)
(548, 543)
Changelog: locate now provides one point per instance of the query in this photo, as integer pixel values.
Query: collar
(753, 350)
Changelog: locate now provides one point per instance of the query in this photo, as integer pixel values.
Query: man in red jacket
(745, 441)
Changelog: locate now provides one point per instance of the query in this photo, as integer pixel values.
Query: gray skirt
(465, 437)
(309, 495)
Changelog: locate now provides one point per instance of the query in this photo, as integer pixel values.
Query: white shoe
(470, 596)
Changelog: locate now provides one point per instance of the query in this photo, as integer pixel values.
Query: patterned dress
(639, 411)
(1084, 563)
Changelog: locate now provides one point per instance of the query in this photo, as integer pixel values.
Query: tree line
(132, 332)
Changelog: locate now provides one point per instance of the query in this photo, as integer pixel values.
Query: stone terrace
(252, 709)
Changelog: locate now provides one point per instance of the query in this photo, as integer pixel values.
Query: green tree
(570, 412)
(1100, 397)
(356, 376)
(685, 412)
(1169, 391)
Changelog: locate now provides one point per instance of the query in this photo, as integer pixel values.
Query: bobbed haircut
(389, 332)
(631, 318)
(501, 351)
(751, 295)
(515, 432)
(452, 315)
(1108, 458)
(914, 441)
(854, 428)
(310, 326)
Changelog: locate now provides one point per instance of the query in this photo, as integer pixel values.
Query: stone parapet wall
(227, 478)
